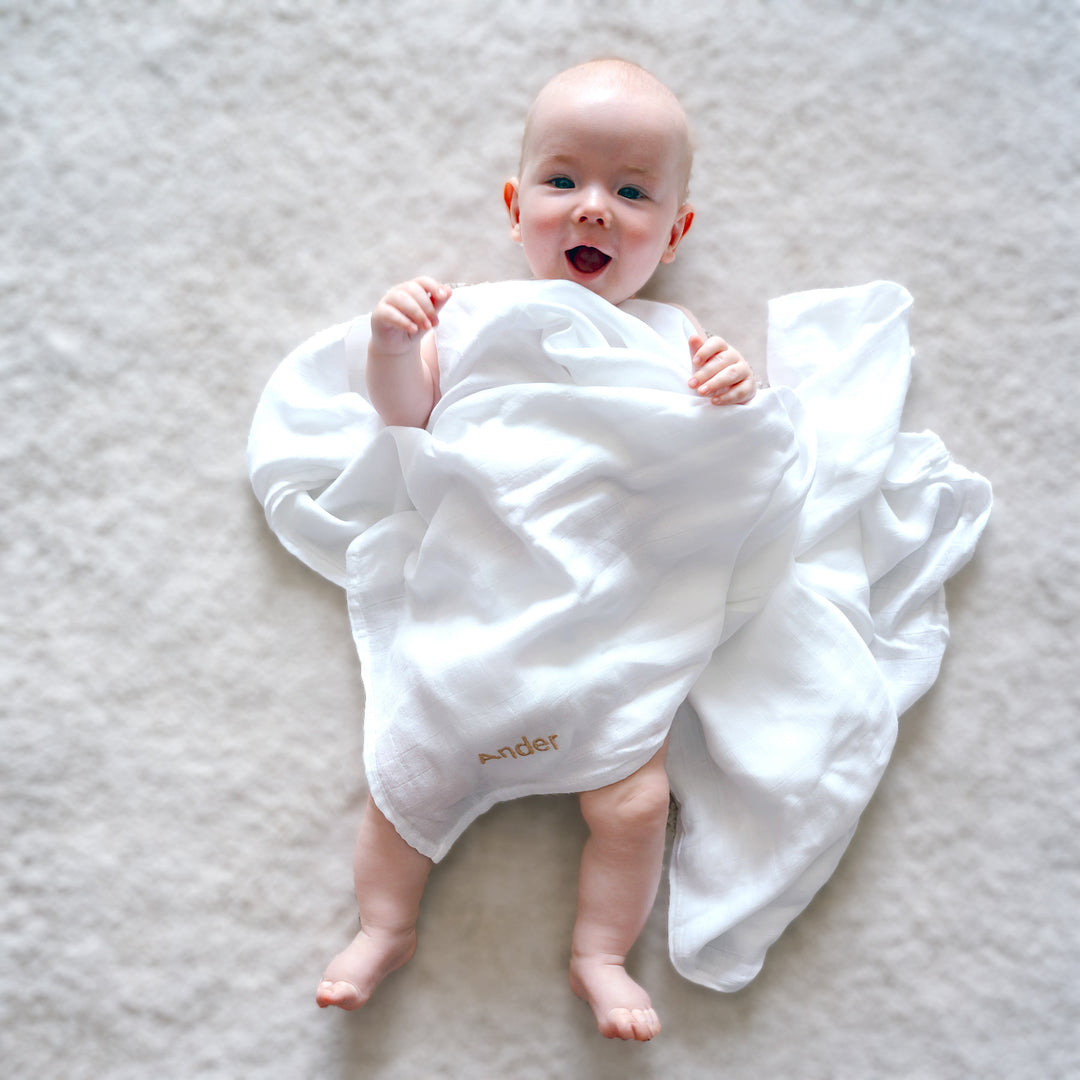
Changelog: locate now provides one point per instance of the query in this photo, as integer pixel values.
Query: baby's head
(600, 198)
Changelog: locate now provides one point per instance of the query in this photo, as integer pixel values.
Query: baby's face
(600, 196)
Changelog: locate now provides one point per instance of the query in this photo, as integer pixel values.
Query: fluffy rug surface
(192, 190)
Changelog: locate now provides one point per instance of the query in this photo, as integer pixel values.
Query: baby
(601, 201)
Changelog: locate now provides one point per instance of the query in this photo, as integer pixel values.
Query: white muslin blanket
(579, 558)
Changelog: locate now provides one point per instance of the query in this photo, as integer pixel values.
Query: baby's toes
(342, 994)
(637, 1025)
(646, 1024)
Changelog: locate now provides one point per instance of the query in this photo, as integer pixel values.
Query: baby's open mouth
(587, 260)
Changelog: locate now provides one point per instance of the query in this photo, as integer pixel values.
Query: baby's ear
(510, 197)
(679, 228)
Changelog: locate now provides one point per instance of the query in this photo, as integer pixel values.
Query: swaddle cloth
(579, 557)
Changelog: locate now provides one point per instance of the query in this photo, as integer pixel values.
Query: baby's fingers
(739, 394)
(433, 287)
(414, 302)
(727, 366)
(726, 382)
(413, 306)
(703, 349)
(435, 293)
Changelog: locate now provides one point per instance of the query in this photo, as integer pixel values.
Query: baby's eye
(631, 193)
(562, 182)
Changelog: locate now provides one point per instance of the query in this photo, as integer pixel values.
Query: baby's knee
(635, 805)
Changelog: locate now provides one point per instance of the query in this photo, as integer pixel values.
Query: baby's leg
(620, 872)
(390, 877)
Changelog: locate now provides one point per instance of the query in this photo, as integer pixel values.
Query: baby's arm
(403, 364)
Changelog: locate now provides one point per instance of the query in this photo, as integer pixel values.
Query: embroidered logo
(524, 748)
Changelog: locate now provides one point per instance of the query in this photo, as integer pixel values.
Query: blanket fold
(578, 557)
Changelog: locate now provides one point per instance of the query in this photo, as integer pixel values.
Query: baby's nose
(593, 207)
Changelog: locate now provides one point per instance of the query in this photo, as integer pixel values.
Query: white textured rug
(189, 190)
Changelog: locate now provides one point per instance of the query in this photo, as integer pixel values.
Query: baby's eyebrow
(552, 160)
(566, 160)
(638, 170)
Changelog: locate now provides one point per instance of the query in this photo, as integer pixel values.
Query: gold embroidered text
(524, 748)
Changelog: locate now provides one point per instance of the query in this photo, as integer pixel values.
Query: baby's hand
(720, 372)
(407, 310)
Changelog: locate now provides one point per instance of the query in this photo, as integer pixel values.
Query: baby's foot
(351, 977)
(622, 1008)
